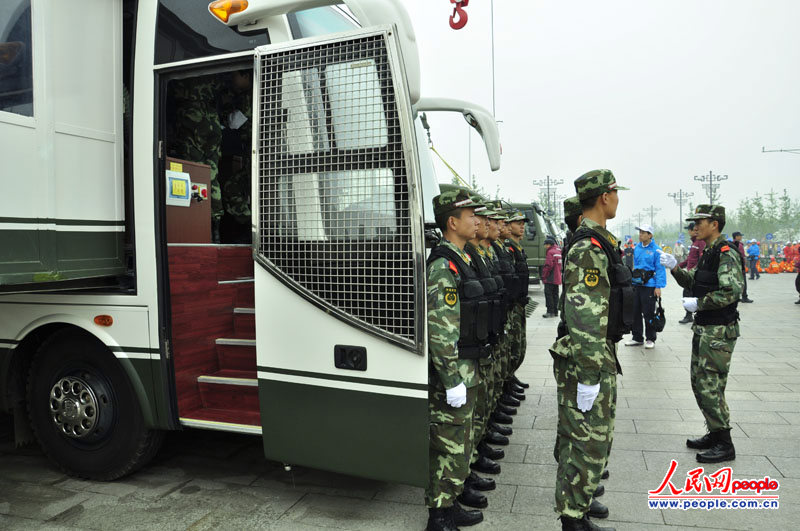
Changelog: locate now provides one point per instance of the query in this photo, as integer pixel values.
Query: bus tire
(84, 411)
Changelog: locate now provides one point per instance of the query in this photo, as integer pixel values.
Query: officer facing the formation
(597, 311)
(716, 287)
(457, 339)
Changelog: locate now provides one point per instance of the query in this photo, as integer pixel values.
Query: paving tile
(350, 513)
(769, 431)
(788, 466)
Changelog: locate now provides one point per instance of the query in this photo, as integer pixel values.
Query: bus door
(339, 258)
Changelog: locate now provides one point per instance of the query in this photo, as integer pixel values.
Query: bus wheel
(84, 411)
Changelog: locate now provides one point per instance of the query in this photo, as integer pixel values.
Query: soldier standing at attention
(516, 228)
(596, 288)
(455, 347)
(716, 287)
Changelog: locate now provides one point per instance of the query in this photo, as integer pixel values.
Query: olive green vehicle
(537, 228)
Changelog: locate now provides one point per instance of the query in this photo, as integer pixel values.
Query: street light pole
(547, 183)
(710, 185)
(680, 197)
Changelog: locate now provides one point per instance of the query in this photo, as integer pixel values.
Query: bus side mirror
(481, 119)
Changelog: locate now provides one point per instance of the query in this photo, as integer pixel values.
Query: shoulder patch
(450, 296)
(592, 277)
(453, 267)
(597, 243)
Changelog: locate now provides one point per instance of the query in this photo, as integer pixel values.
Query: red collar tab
(453, 267)
(597, 243)
(725, 248)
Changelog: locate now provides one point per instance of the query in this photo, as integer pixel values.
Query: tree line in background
(755, 217)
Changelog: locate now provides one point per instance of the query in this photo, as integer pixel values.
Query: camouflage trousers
(583, 441)
(711, 361)
(450, 447)
(502, 355)
(483, 408)
(518, 335)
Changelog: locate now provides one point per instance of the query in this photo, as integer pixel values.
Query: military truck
(122, 313)
(539, 226)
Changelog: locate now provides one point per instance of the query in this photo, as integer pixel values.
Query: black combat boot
(519, 383)
(510, 401)
(506, 409)
(581, 524)
(440, 520)
(599, 491)
(687, 318)
(721, 451)
(473, 498)
(498, 417)
(605, 474)
(463, 517)
(485, 465)
(492, 437)
(487, 451)
(502, 430)
(701, 443)
(519, 395)
(597, 510)
(475, 482)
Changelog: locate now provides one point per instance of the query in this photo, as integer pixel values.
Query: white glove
(667, 260)
(690, 304)
(457, 396)
(586, 396)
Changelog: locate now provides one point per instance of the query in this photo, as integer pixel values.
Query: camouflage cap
(517, 215)
(480, 204)
(451, 200)
(572, 207)
(716, 212)
(486, 212)
(596, 182)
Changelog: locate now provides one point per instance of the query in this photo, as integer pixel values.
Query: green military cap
(572, 207)
(451, 200)
(716, 212)
(487, 212)
(596, 182)
(516, 215)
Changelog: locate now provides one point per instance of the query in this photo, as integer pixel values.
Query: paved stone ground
(206, 480)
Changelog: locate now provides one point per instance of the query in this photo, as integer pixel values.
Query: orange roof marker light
(223, 9)
(104, 320)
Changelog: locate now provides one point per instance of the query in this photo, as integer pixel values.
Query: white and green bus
(128, 309)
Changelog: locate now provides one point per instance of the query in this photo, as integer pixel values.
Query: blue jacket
(754, 251)
(647, 258)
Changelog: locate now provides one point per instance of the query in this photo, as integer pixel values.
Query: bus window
(186, 30)
(319, 21)
(16, 59)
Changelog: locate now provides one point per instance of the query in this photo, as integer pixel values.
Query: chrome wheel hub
(73, 407)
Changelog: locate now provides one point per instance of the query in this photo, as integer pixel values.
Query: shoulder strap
(584, 233)
(456, 263)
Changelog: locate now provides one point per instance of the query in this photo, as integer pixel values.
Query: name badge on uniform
(592, 277)
(450, 296)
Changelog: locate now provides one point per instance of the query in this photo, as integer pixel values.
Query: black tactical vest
(522, 271)
(620, 303)
(510, 277)
(706, 281)
(475, 306)
(494, 292)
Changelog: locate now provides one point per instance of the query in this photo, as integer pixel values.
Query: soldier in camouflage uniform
(585, 359)
(481, 434)
(453, 380)
(516, 224)
(501, 346)
(197, 131)
(716, 286)
(235, 167)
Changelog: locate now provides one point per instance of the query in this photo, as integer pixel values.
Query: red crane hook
(458, 10)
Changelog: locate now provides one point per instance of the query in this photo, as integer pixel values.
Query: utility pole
(652, 210)
(796, 151)
(548, 183)
(709, 184)
(680, 197)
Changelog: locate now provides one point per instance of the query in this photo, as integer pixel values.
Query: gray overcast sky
(657, 91)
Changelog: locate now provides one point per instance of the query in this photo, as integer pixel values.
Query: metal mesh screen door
(334, 209)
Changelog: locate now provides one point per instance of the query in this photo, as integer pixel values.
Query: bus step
(248, 422)
(244, 322)
(229, 390)
(236, 354)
